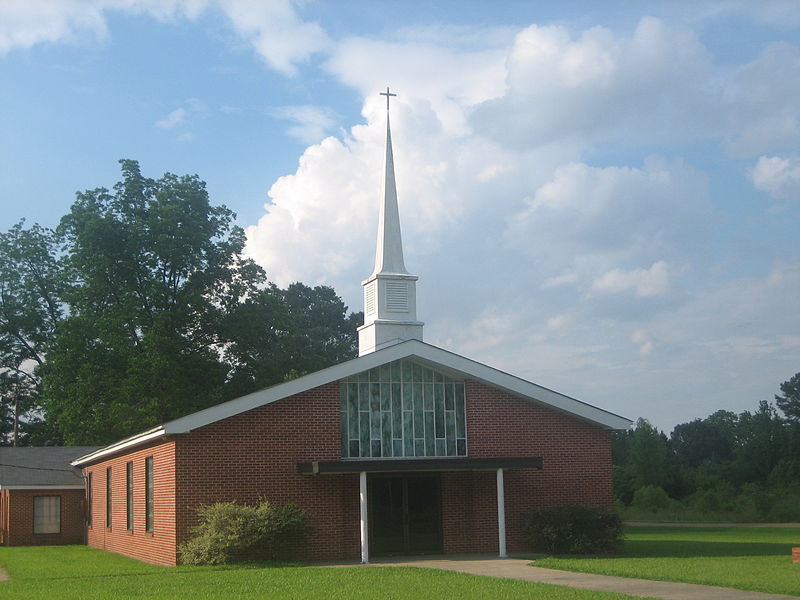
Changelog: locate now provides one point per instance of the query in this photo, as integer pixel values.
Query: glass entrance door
(404, 514)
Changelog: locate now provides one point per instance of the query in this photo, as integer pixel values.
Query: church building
(407, 449)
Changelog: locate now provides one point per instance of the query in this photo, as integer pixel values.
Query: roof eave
(408, 349)
(127, 443)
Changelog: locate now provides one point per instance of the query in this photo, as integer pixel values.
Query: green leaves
(140, 308)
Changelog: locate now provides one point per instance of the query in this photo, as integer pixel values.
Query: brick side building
(286, 444)
(42, 499)
(408, 448)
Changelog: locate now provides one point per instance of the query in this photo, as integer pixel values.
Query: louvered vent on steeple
(390, 293)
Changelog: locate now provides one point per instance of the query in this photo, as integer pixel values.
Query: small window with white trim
(46, 514)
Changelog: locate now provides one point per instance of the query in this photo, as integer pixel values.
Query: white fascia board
(522, 387)
(411, 348)
(135, 440)
(408, 349)
(42, 487)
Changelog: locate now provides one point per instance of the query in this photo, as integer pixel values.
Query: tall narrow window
(108, 497)
(47, 514)
(148, 502)
(129, 496)
(89, 499)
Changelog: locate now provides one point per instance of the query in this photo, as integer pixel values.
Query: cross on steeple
(390, 293)
(387, 93)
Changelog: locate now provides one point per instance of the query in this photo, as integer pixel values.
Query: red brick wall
(18, 518)
(576, 458)
(255, 454)
(157, 547)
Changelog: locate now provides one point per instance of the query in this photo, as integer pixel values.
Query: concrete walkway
(518, 568)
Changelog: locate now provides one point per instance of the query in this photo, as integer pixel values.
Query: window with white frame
(47, 514)
(403, 409)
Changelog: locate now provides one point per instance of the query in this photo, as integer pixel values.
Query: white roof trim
(42, 487)
(408, 349)
(134, 440)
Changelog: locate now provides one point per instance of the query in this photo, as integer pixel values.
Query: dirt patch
(3, 575)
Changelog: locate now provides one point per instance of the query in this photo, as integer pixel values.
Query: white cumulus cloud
(176, 117)
(312, 123)
(276, 32)
(644, 282)
(560, 85)
(274, 29)
(778, 177)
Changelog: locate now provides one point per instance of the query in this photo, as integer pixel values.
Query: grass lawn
(746, 558)
(81, 573)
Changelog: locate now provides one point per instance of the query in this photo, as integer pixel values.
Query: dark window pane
(352, 425)
(461, 447)
(430, 447)
(386, 396)
(438, 396)
(408, 397)
(408, 433)
(129, 496)
(407, 369)
(450, 431)
(374, 397)
(108, 497)
(397, 408)
(354, 449)
(148, 502)
(419, 447)
(352, 397)
(375, 425)
(386, 433)
(376, 448)
(395, 371)
(449, 397)
(363, 425)
(428, 396)
(397, 447)
(441, 448)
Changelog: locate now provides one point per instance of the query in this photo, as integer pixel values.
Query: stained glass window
(402, 409)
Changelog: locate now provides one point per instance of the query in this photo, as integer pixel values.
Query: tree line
(139, 307)
(742, 466)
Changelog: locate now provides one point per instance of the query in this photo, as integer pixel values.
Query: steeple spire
(390, 294)
(389, 250)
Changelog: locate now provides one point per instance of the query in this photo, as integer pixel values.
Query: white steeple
(390, 293)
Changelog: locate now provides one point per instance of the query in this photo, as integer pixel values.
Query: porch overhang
(389, 465)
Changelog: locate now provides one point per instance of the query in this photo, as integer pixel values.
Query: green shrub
(230, 532)
(651, 497)
(573, 530)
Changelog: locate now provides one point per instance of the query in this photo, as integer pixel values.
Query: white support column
(362, 480)
(501, 515)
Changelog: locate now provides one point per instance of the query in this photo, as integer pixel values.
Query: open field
(747, 558)
(81, 573)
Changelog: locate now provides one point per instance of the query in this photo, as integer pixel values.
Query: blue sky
(601, 197)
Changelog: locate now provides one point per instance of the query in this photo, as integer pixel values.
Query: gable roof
(41, 467)
(428, 354)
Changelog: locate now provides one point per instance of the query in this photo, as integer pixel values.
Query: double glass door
(404, 514)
